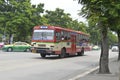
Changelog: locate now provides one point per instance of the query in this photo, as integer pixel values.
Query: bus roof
(60, 28)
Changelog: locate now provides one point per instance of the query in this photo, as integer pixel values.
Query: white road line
(84, 74)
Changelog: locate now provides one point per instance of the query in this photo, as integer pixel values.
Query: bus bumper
(47, 52)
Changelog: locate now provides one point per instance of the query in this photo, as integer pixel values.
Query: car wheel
(27, 50)
(9, 49)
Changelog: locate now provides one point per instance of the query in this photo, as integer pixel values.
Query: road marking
(84, 74)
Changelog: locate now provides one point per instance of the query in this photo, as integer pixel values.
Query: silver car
(115, 48)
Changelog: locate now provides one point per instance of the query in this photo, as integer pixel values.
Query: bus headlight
(51, 49)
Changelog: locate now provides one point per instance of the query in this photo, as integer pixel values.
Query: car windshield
(20, 43)
(115, 47)
(43, 35)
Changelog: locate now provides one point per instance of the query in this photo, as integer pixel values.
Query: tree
(4, 11)
(115, 21)
(94, 32)
(18, 17)
(106, 13)
(95, 37)
(36, 17)
(26, 17)
(58, 18)
(112, 38)
(118, 32)
(96, 10)
(79, 26)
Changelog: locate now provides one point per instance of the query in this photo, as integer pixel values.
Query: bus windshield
(43, 35)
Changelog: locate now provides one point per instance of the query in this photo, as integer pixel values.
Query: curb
(84, 74)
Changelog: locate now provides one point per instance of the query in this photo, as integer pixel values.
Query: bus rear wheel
(81, 53)
(43, 55)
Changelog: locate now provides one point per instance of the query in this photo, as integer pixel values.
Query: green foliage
(80, 26)
(59, 18)
(105, 13)
(112, 38)
(18, 17)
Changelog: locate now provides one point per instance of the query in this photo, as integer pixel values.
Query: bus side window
(62, 37)
(58, 36)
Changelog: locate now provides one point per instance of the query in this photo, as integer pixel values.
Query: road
(29, 66)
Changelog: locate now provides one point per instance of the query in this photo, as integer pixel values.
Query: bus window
(58, 37)
(43, 35)
(65, 35)
(62, 35)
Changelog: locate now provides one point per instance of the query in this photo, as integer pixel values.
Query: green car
(17, 46)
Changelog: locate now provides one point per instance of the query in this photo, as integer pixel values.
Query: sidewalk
(114, 69)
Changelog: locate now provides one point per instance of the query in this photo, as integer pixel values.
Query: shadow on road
(54, 57)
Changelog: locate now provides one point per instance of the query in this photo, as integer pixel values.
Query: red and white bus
(52, 40)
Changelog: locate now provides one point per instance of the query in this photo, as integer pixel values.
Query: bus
(53, 40)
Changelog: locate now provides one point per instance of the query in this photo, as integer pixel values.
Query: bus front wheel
(63, 53)
(43, 55)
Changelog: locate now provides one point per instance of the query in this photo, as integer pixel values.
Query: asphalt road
(29, 66)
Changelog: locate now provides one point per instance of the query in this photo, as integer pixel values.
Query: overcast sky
(69, 6)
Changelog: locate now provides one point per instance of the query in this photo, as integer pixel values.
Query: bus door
(73, 44)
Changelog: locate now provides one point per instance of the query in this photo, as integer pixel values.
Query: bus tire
(63, 53)
(81, 53)
(78, 53)
(43, 55)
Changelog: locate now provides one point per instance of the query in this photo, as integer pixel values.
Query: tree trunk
(118, 44)
(104, 58)
(119, 72)
(10, 35)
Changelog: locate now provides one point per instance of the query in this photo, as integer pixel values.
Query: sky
(69, 6)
